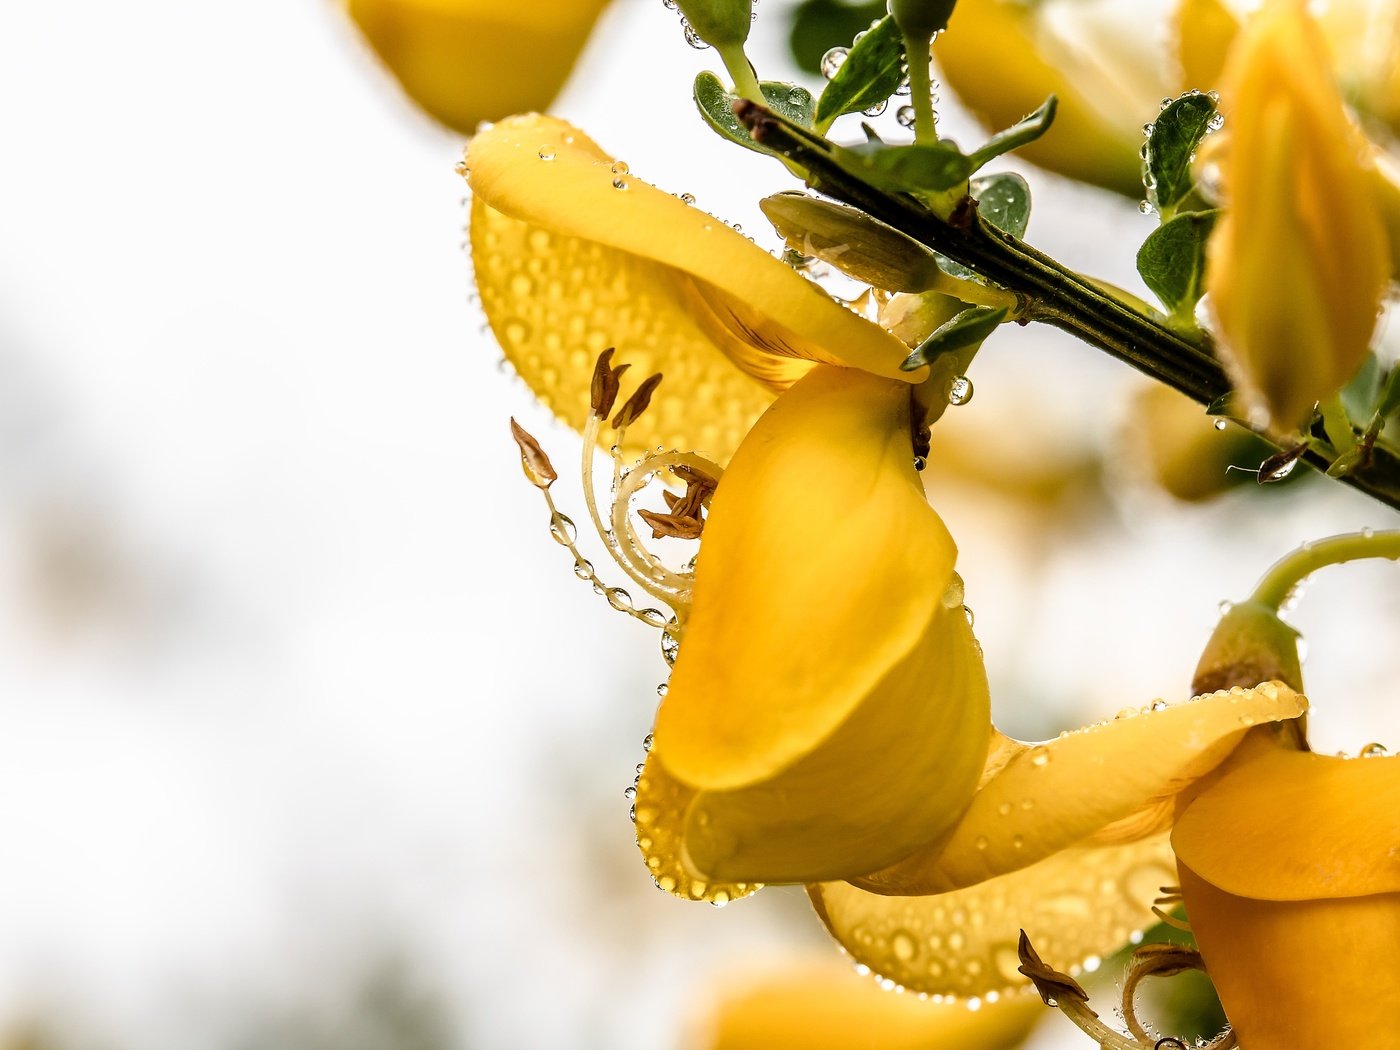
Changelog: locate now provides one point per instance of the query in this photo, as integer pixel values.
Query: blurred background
(309, 737)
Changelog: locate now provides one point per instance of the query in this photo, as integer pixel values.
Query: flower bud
(1298, 266)
(720, 23)
(920, 19)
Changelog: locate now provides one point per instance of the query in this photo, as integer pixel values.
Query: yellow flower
(1298, 266)
(465, 61)
(1290, 873)
(824, 1005)
(1066, 840)
(823, 626)
(1003, 57)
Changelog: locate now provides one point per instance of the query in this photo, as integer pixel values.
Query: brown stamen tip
(694, 477)
(605, 386)
(1053, 986)
(672, 525)
(533, 461)
(635, 405)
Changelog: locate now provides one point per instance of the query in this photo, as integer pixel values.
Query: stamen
(635, 405)
(606, 383)
(541, 474)
(1062, 991)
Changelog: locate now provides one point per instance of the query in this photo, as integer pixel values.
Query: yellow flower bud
(465, 61)
(1298, 266)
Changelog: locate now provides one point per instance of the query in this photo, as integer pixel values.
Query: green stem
(1049, 291)
(921, 90)
(737, 63)
(1280, 582)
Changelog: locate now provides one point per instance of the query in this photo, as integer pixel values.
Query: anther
(635, 405)
(605, 386)
(533, 460)
(676, 526)
(694, 477)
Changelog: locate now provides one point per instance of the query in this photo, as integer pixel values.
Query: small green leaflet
(1024, 131)
(919, 167)
(716, 106)
(1173, 258)
(967, 328)
(870, 74)
(1171, 143)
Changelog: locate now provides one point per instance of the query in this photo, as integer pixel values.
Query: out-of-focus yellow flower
(1003, 57)
(825, 1005)
(1298, 264)
(824, 627)
(1177, 444)
(465, 61)
(1363, 40)
(1066, 840)
(1291, 878)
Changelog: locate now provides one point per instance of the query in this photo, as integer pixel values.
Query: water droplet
(920, 463)
(693, 38)
(1145, 206)
(632, 814)
(1018, 842)
(646, 743)
(904, 946)
(687, 198)
(1039, 757)
(630, 792)
(619, 183)
(1159, 705)
(1373, 750)
(1220, 424)
(959, 390)
(1216, 122)
(953, 596)
(1004, 809)
(1225, 606)
(905, 116)
(583, 569)
(877, 109)
(662, 689)
(563, 529)
(967, 614)
(1147, 129)
(670, 646)
(833, 60)
(982, 842)
(546, 153)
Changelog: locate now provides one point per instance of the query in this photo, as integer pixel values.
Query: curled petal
(828, 708)
(1294, 825)
(1114, 781)
(1076, 906)
(572, 250)
(826, 1006)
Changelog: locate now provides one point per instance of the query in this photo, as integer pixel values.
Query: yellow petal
(660, 797)
(465, 61)
(826, 704)
(1000, 62)
(1295, 315)
(1077, 906)
(1204, 31)
(556, 302)
(1115, 781)
(1294, 825)
(1314, 973)
(827, 1006)
(769, 320)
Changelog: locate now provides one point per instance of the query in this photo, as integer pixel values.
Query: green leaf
(853, 242)
(870, 74)
(967, 328)
(1172, 260)
(816, 24)
(1028, 129)
(1171, 144)
(716, 106)
(1004, 199)
(918, 167)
